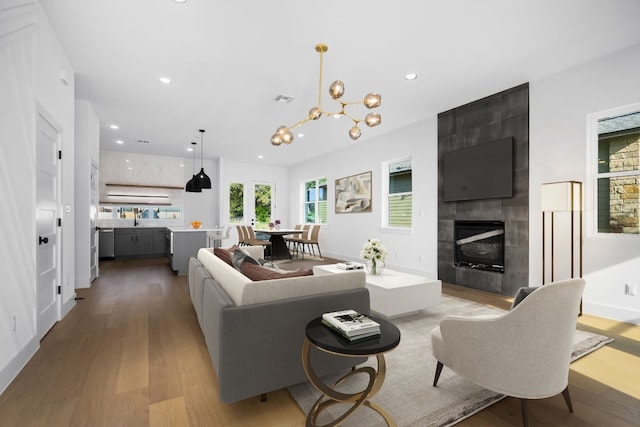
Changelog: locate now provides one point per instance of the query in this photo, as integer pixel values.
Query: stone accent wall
(624, 155)
(505, 114)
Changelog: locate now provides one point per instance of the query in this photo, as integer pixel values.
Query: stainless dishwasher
(106, 239)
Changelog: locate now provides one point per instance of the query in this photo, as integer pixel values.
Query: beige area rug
(407, 393)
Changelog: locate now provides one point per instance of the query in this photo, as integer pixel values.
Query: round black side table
(323, 338)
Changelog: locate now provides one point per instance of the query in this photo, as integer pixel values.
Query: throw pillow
(224, 255)
(256, 272)
(239, 256)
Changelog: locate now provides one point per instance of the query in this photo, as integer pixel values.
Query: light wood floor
(131, 354)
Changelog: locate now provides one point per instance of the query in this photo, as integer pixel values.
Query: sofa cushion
(257, 272)
(239, 256)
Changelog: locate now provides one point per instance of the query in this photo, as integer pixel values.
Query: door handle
(42, 240)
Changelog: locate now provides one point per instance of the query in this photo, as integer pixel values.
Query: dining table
(279, 249)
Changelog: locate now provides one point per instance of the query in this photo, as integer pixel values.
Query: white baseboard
(611, 312)
(83, 283)
(67, 306)
(15, 365)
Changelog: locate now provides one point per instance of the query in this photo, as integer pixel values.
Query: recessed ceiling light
(411, 76)
(300, 135)
(130, 168)
(119, 141)
(260, 156)
(181, 165)
(165, 80)
(180, 1)
(114, 126)
(189, 149)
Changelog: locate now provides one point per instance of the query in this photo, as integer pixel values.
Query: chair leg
(567, 398)
(438, 372)
(525, 412)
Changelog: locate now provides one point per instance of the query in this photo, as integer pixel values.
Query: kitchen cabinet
(140, 242)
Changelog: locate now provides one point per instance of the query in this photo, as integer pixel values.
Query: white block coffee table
(394, 293)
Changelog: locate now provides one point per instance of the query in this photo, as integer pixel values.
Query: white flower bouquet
(374, 252)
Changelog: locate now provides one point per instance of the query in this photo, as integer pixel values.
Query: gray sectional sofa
(254, 330)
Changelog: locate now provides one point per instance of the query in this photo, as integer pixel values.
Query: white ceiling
(230, 59)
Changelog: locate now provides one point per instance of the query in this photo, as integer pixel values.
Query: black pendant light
(192, 185)
(201, 178)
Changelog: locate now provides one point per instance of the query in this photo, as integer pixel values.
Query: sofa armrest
(256, 349)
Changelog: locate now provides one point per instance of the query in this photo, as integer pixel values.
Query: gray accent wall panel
(504, 114)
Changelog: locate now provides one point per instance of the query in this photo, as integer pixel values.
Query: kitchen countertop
(188, 229)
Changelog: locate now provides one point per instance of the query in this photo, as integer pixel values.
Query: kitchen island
(185, 243)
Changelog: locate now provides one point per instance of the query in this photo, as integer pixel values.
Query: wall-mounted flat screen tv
(484, 171)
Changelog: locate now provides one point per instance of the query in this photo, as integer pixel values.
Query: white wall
(17, 219)
(559, 151)
(31, 59)
(412, 251)
(87, 128)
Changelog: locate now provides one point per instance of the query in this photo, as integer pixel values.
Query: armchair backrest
(526, 351)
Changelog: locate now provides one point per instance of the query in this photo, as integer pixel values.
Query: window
(236, 203)
(139, 212)
(315, 201)
(618, 176)
(399, 203)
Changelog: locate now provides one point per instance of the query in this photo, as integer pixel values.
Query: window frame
(593, 139)
(316, 202)
(386, 195)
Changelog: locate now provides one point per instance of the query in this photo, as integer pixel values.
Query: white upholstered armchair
(524, 353)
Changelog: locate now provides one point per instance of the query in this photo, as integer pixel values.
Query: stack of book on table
(351, 325)
(349, 266)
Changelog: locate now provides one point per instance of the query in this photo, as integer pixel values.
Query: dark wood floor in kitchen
(131, 354)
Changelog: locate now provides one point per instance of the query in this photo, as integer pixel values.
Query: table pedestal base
(331, 397)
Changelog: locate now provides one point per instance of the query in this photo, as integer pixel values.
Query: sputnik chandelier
(284, 135)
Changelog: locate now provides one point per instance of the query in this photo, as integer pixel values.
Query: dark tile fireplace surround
(505, 114)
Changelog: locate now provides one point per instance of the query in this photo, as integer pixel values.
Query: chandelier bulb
(373, 119)
(336, 90)
(315, 113)
(354, 133)
(372, 100)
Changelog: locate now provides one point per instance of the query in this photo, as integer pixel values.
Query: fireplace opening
(479, 245)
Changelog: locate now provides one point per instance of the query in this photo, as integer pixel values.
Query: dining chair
(241, 235)
(251, 240)
(312, 241)
(289, 240)
(300, 238)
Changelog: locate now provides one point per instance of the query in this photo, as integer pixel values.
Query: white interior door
(47, 199)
